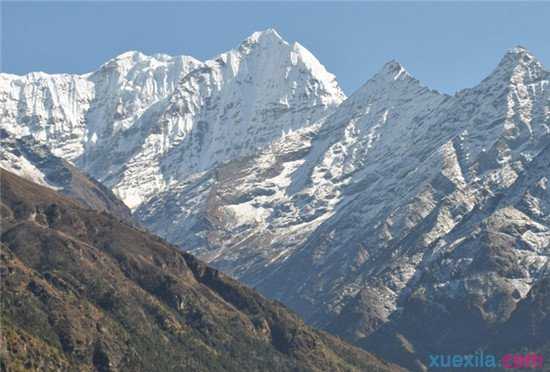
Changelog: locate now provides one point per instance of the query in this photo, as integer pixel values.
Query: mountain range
(407, 221)
(84, 291)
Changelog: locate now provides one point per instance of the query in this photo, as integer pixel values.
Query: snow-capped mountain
(140, 124)
(75, 112)
(396, 207)
(228, 108)
(402, 204)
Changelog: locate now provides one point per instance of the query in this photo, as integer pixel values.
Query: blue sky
(448, 46)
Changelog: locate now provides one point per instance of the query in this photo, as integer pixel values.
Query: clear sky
(448, 46)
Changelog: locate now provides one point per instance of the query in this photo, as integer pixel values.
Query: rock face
(527, 328)
(76, 113)
(82, 290)
(143, 124)
(374, 216)
(32, 160)
(405, 207)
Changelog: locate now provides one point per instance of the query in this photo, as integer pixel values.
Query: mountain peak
(124, 60)
(518, 56)
(518, 49)
(392, 71)
(267, 36)
(131, 54)
(517, 62)
(278, 57)
(395, 70)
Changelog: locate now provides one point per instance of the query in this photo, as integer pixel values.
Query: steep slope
(231, 106)
(424, 172)
(142, 125)
(290, 188)
(29, 159)
(405, 207)
(83, 290)
(399, 217)
(527, 328)
(74, 113)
